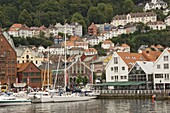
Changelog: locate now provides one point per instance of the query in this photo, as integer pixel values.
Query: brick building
(8, 58)
(30, 74)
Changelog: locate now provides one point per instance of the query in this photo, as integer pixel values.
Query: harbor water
(94, 106)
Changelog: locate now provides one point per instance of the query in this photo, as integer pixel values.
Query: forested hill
(46, 12)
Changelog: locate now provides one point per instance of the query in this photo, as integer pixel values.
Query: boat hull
(71, 99)
(14, 102)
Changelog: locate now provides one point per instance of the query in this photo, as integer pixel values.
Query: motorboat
(40, 97)
(6, 99)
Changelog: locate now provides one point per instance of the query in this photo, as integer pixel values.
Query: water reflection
(94, 106)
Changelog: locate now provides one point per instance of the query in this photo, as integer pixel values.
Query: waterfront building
(143, 17)
(30, 74)
(121, 62)
(161, 71)
(142, 71)
(78, 69)
(28, 54)
(8, 60)
(155, 4)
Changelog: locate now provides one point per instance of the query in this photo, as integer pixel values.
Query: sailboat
(67, 97)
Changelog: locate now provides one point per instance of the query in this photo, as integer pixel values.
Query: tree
(85, 80)
(79, 79)
(25, 18)
(128, 6)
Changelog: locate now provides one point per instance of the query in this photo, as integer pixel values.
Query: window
(121, 77)
(125, 77)
(112, 77)
(111, 68)
(158, 66)
(166, 66)
(166, 76)
(115, 69)
(123, 68)
(158, 75)
(115, 60)
(165, 58)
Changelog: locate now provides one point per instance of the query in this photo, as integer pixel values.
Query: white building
(142, 71)
(19, 30)
(93, 41)
(26, 54)
(167, 20)
(77, 29)
(155, 4)
(158, 25)
(118, 67)
(90, 51)
(107, 44)
(161, 71)
(134, 18)
(72, 29)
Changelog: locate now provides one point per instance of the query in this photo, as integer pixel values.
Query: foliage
(79, 79)
(32, 41)
(46, 12)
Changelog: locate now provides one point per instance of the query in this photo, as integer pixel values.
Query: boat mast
(65, 81)
(48, 70)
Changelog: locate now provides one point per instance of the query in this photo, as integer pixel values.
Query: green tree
(25, 18)
(128, 6)
(85, 80)
(79, 79)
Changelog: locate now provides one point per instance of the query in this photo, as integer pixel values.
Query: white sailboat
(73, 96)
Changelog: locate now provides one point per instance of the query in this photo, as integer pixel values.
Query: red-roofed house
(121, 62)
(19, 30)
(30, 74)
(107, 44)
(90, 51)
(14, 30)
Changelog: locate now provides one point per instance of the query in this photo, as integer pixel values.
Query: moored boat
(6, 100)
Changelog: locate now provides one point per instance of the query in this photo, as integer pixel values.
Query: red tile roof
(23, 66)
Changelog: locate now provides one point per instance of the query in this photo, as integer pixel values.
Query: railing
(146, 92)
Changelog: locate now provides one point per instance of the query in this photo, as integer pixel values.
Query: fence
(133, 93)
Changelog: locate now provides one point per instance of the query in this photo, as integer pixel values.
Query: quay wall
(133, 94)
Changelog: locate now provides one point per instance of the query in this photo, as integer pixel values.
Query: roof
(121, 84)
(15, 27)
(107, 42)
(134, 15)
(74, 38)
(125, 45)
(146, 66)
(23, 66)
(90, 50)
(151, 55)
(131, 58)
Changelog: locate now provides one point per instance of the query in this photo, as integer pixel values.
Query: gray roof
(146, 66)
(9, 39)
